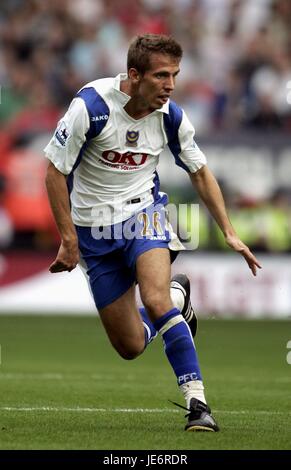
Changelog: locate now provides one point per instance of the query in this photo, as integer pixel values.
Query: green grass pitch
(64, 387)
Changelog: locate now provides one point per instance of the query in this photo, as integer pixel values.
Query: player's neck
(136, 107)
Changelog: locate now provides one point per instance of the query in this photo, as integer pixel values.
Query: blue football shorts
(109, 254)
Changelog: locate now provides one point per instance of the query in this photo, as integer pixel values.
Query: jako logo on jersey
(102, 117)
(132, 138)
(128, 158)
(62, 134)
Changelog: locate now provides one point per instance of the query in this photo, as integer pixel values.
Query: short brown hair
(142, 47)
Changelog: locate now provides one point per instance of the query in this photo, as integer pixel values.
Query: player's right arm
(68, 254)
(63, 151)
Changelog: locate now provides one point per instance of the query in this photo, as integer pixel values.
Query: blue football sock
(179, 346)
(149, 330)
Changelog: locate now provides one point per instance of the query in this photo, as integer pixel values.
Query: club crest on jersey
(132, 138)
(62, 134)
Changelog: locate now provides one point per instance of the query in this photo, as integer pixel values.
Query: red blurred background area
(17, 266)
(25, 197)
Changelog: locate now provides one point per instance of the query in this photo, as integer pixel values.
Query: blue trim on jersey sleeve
(159, 198)
(172, 122)
(97, 109)
(156, 188)
(70, 178)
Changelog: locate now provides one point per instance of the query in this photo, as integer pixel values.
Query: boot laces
(194, 413)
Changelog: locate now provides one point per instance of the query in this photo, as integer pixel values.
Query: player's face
(158, 83)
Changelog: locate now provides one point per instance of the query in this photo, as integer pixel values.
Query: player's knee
(128, 355)
(156, 303)
(130, 351)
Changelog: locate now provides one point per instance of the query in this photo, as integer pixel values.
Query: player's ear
(134, 75)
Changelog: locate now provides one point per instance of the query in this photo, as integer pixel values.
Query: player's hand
(236, 244)
(67, 258)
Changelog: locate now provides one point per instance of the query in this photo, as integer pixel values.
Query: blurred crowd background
(235, 81)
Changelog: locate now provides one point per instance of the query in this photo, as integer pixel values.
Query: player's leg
(112, 285)
(153, 271)
(180, 296)
(116, 303)
(123, 325)
(114, 295)
(150, 223)
(153, 274)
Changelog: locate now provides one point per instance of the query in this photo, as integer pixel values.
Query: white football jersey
(111, 158)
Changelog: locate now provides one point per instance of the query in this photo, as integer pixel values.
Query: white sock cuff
(147, 330)
(177, 296)
(171, 322)
(193, 389)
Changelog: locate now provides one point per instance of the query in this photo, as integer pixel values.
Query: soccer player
(104, 192)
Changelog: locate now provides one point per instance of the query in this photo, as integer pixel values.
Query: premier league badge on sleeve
(62, 134)
(132, 138)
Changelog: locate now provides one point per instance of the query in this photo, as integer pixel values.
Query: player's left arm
(209, 191)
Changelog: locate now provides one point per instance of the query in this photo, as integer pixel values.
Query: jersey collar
(124, 98)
